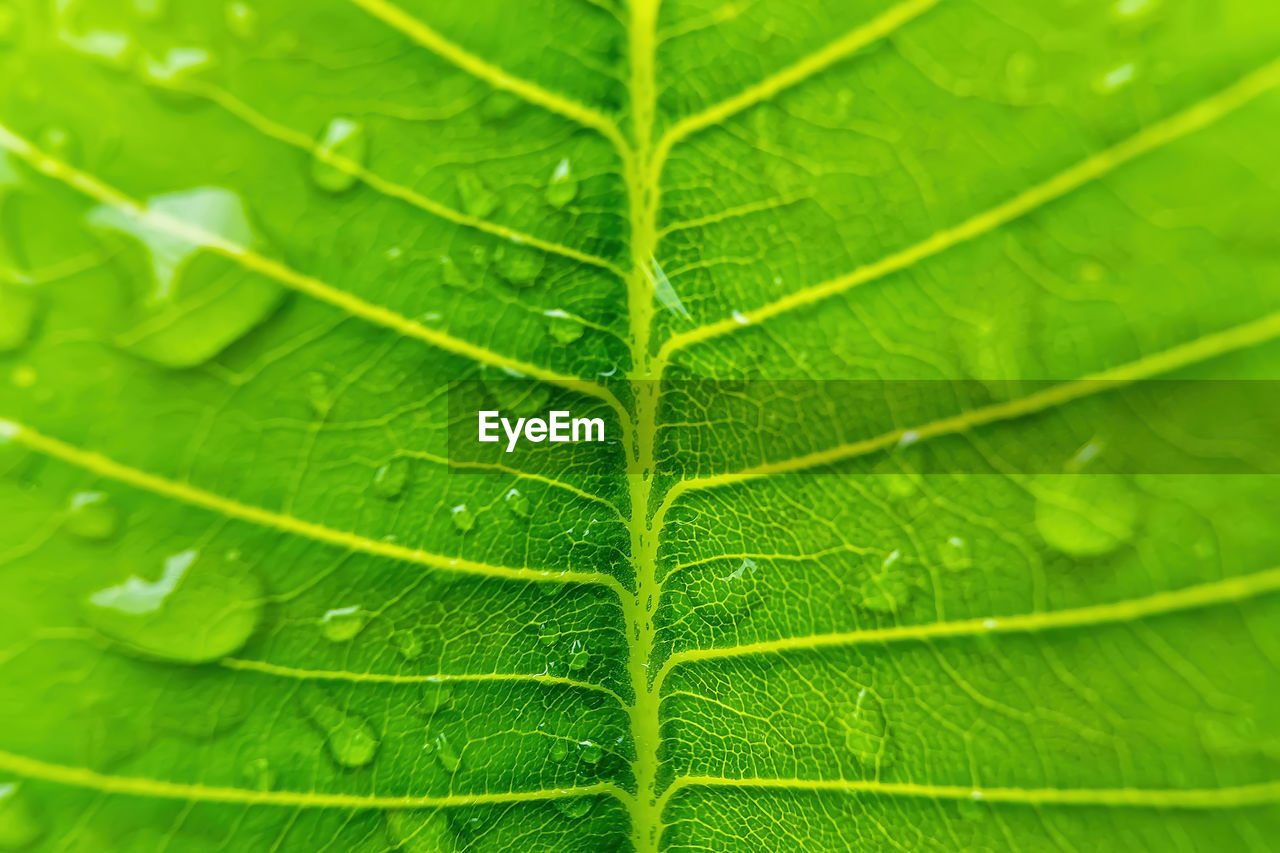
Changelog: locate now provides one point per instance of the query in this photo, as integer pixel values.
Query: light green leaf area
(245, 247)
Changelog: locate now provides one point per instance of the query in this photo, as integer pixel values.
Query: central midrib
(642, 193)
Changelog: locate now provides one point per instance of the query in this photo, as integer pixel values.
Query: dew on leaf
(435, 697)
(477, 199)
(724, 601)
(517, 502)
(343, 623)
(578, 656)
(419, 832)
(463, 518)
(563, 187)
(1115, 78)
(590, 751)
(562, 327)
(92, 515)
(201, 608)
(390, 479)
(559, 750)
(446, 753)
(17, 316)
(242, 21)
(867, 731)
(955, 554)
(887, 588)
(199, 301)
(663, 290)
(176, 66)
(343, 145)
(407, 643)
(259, 775)
(19, 825)
(351, 740)
(1085, 515)
(518, 265)
(112, 48)
(574, 807)
(548, 633)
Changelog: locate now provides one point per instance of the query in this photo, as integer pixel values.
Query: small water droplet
(1110, 81)
(259, 774)
(390, 479)
(564, 328)
(343, 146)
(445, 752)
(740, 318)
(242, 21)
(19, 825)
(578, 656)
(420, 832)
(562, 188)
(590, 751)
(517, 502)
(112, 48)
(17, 317)
(955, 554)
(200, 301)
(344, 623)
(202, 608)
(407, 643)
(477, 199)
(724, 601)
(92, 515)
(887, 587)
(663, 290)
(574, 807)
(559, 750)
(351, 740)
(867, 731)
(519, 265)
(176, 67)
(1085, 515)
(463, 519)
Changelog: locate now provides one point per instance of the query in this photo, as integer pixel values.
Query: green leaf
(248, 605)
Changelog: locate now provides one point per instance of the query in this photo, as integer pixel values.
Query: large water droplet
(351, 740)
(19, 826)
(1085, 515)
(242, 21)
(574, 807)
(390, 479)
(564, 328)
(590, 751)
(563, 187)
(200, 301)
(955, 554)
(202, 607)
(724, 601)
(548, 633)
(434, 698)
(92, 515)
(463, 519)
(519, 265)
(445, 752)
(176, 66)
(517, 503)
(420, 832)
(578, 656)
(867, 731)
(342, 145)
(344, 623)
(887, 587)
(559, 750)
(17, 316)
(477, 199)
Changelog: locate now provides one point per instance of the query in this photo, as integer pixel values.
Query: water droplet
(955, 554)
(176, 67)
(351, 740)
(562, 327)
(436, 696)
(562, 188)
(19, 826)
(202, 608)
(200, 301)
(445, 753)
(17, 317)
(342, 147)
(112, 48)
(1114, 79)
(519, 265)
(242, 21)
(740, 318)
(574, 807)
(259, 774)
(578, 656)
(407, 643)
(463, 519)
(887, 587)
(420, 832)
(1085, 515)
(343, 623)
(663, 290)
(92, 515)
(548, 633)
(590, 751)
(517, 503)
(867, 731)
(390, 479)
(559, 750)
(723, 602)
(477, 199)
